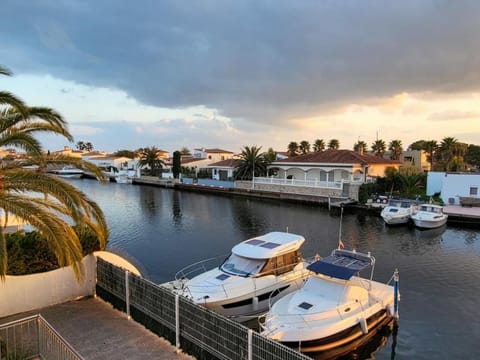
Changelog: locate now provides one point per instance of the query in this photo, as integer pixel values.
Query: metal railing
(295, 182)
(33, 337)
(199, 331)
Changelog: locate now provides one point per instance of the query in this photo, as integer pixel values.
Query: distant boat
(429, 216)
(69, 172)
(397, 211)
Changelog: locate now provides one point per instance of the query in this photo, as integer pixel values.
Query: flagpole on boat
(340, 242)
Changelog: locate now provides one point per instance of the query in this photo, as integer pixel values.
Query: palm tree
(269, 157)
(251, 163)
(150, 156)
(360, 147)
(449, 151)
(410, 183)
(319, 145)
(379, 147)
(293, 149)
(430, 147)
(334, 144)
(61, 204)
(185, 151)
(304, 147)
(396, 148)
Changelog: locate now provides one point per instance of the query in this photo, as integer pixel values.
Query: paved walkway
(98, 331)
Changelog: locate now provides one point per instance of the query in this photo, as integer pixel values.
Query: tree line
(447, 155)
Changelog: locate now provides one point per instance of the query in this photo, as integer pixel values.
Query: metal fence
(33, 337)
(197, 330)
(296, 182)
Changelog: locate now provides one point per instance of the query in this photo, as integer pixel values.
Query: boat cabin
(271, 254)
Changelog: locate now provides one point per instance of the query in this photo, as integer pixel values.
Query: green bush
(29, 253)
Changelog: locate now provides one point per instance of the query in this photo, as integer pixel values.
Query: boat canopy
(342, 264)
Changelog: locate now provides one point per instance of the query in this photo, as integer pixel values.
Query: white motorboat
(397, 211)
(69, 172)
(429, 216)
(335, 307)
(258, 270)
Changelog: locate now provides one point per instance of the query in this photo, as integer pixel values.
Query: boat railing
(300, 272)
(199, 267)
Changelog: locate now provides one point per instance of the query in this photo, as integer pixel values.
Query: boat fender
(363, 325)
(255, 303)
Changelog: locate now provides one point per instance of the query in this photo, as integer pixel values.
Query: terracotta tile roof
(191, 160)
(215, 151)
(225, 163)
(338, 157)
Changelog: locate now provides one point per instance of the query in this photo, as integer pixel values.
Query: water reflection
(366, 348)
(176, 209)
(167, 230)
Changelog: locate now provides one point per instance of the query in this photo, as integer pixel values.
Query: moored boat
(257, 271)
(335, 307)
(397, 212)
(69, 172)
(429, 216)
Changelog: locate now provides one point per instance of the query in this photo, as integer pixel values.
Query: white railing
(33, 337)
(296, 182)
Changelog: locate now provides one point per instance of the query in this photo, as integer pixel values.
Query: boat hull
(245, 307)
(353, 335)
(396, 220)
(429, 224)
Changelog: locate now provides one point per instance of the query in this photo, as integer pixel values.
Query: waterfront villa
(203, 158)
(330, 173)
(223, 170)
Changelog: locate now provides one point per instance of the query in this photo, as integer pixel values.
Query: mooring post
(177, 322)
(127, 293)
(250, 345)
(395, 295)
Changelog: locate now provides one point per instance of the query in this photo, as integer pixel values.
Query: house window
(473, 191)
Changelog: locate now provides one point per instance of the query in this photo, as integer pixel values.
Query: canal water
(163, 230)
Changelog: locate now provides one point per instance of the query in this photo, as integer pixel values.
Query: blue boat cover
(339, 266)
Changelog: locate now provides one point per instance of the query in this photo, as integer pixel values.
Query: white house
(333, 166)
(223, 170)
(213, 155)
(453, 186)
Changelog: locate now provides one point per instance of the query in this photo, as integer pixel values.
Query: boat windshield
(237, 265)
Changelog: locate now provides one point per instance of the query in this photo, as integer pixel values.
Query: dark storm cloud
(252, 60)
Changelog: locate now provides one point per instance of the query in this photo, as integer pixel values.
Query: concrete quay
(98, 331)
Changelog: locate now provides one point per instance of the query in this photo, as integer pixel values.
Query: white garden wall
(29, 292)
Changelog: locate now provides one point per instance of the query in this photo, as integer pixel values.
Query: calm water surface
(164, 230)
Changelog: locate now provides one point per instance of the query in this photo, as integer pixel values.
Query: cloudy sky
(229, 74)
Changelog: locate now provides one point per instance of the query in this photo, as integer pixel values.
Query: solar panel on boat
(340, 267)
(305, 305)
(254, 242)
(270, 245)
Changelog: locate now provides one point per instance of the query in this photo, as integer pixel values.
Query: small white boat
(429, 216)
(397, 211)
(69, 172)
(258, 270)
(335, 307)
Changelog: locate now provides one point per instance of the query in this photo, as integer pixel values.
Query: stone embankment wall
(323, 194)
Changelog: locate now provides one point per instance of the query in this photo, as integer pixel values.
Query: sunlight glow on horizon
(404, 116)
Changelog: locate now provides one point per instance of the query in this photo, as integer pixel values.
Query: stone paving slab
(98, 331)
